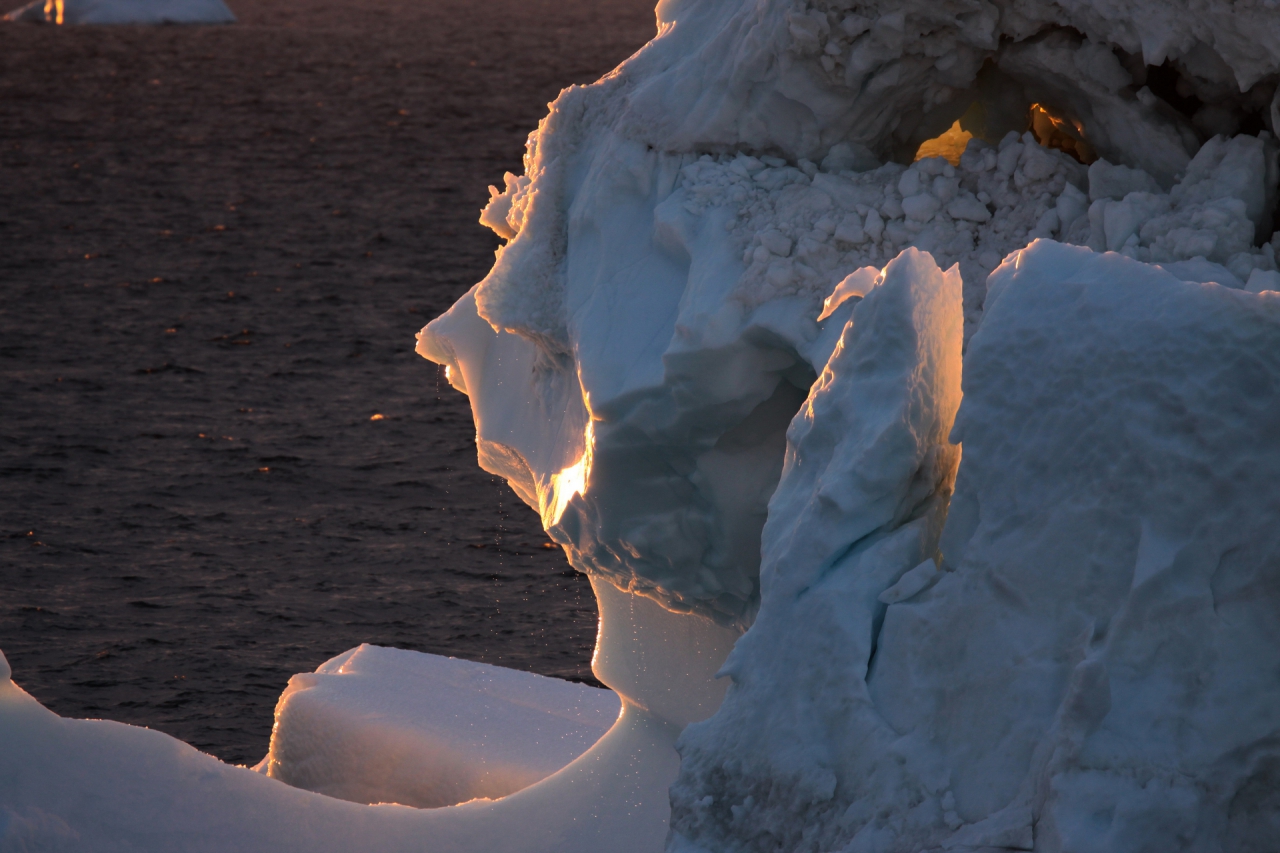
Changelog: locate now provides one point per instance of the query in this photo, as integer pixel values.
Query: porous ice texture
(819, 81)
(1093, 666)
(650, 326)
(124, 12)
(378, 725)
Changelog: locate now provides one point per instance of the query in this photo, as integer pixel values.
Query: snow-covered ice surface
(124, 12)
(378, 725)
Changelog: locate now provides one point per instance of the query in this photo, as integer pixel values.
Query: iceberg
(123, 12)
(698, 245)
(903, 378)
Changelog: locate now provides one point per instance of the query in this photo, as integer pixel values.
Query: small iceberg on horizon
(124, 12)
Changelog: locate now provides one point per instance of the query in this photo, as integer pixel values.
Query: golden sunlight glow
(572, 480)
(1056, 131)
(53, 8)
(950, 144)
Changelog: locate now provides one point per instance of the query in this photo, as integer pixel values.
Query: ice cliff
(1090, 666)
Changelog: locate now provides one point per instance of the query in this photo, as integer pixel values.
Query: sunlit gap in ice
(570, 481)
(1050, 128)
(949, 144)
(1055, 131)
(53, 9)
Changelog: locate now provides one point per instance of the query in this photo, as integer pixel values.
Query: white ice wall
(1093, 668)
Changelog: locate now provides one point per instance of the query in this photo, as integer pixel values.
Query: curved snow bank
(377, 725)
(1088, 670)
(124, 12)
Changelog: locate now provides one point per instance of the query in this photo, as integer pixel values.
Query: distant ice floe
(72, 12)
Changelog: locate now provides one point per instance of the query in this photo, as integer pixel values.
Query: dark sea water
(216, 245)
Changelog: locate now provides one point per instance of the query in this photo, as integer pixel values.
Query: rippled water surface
(220, 461)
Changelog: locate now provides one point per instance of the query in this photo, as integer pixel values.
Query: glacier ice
(858, 511)
(124, 12)
(680, 223)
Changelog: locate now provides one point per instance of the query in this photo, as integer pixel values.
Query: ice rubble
(124, 12)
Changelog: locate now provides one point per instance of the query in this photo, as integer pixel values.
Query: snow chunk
(1263, 280)
(1213, 213)
(856, 284)
(1110, 181)
(378, 725)
(967, 207)
(860, 503)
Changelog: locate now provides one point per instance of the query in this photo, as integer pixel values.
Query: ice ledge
(379, 725)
